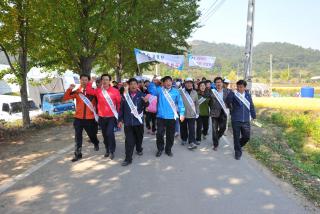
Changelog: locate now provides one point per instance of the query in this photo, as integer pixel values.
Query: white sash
(133, 108)
(201, 100)
(110, 102)
(171, 102)
(89, 105)
(190, 101)
(242, 99)
(220, 100)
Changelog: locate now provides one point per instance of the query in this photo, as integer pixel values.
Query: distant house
(315, 78)
(6, 87)
(59, 82)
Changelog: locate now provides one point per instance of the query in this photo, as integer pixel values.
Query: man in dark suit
(131, 114)
(218, 110)
(242, 111)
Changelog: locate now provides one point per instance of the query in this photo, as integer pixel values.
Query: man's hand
(72, 86)
(145, 99)
(126, 89)
(182, 118)
(120, 125)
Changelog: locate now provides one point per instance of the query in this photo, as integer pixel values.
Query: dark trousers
(151, 118)
(202, 126)
(219, 125)
(134, 138)
(90, 126)
(187, 130)
(165, 126)
(107, 125)
(242, 128)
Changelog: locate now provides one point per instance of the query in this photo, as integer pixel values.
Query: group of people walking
(167, 106)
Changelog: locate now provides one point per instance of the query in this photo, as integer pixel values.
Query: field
(288, 103)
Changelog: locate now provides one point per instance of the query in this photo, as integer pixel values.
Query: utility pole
(249, 44)
(271, 73)
(288, 72)
(238, 71)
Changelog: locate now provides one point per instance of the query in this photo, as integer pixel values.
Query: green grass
(289, 145)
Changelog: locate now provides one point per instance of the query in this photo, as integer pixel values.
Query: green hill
(302, 61)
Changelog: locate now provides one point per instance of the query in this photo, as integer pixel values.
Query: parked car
(53, 103)
(11, 108)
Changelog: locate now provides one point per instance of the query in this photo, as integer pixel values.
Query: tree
(75, 33)
(18, 38)
(153, 25)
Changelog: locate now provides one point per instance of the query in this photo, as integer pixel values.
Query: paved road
(201, 181)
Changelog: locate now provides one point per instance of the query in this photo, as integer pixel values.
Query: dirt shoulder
(16, 156)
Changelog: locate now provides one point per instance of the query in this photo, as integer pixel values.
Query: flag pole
(139, 69)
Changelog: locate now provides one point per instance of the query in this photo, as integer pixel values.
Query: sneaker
(170, 154)
(140, 153)
(106, 154)
(76, 157)
(183, 143)
(192, 146)
(215, 148)
(197, 142)
(176, 134)
(237, 157)
(126, 163)
(96, 147)
(111, 156)
(159, 153)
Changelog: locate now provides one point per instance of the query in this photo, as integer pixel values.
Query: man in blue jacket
(169, 104)
(242, 111)
(131, 114)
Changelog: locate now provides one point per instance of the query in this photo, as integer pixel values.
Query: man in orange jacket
(85, 115)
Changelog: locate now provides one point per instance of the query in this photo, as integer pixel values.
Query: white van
(10, 108)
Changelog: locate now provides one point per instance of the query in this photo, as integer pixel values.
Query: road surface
(201, 181)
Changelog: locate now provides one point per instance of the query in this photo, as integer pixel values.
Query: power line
(213, 11)
(207, 10)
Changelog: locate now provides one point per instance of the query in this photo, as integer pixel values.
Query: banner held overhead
(174, 61)
(201, 61)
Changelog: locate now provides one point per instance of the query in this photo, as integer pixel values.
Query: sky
(292, 21)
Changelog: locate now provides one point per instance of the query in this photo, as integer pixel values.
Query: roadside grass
(9, 130)
(289, 144)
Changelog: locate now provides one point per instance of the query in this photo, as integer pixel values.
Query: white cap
(226, 81)
(188, 79)
(139, 78)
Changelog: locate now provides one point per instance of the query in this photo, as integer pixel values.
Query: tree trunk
(24, 102)
(22, 61)
(86, 65)
(23, 87)
(118, 75)
(119, 66)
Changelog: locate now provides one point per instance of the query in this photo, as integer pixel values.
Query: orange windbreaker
(82, 111)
